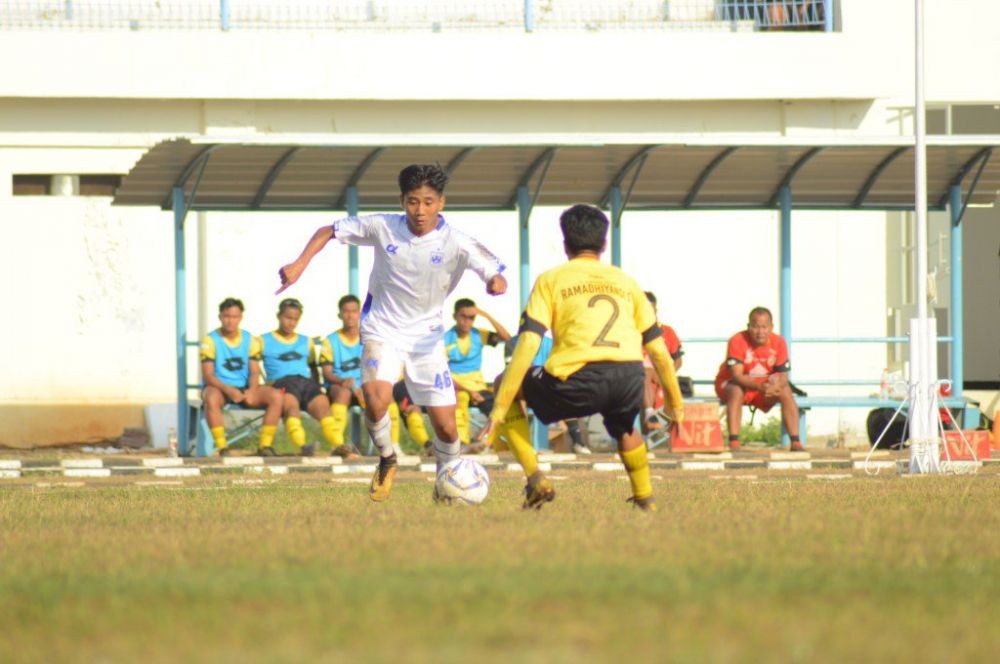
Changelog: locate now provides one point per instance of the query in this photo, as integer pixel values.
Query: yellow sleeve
(645, 316)
(326, 352)
(527, 346)
(207, 351)
(256, 348)
(484, 335)
(312, 353)
(668, 378)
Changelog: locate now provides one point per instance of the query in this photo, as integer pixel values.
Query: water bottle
(171, 442)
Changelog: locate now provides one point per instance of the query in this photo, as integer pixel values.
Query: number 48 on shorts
(442, 380)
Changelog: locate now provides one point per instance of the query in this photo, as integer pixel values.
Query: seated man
(340, 361)
(755, 373)
(464, 345)
(653, 392)
(230, 373)
(600, 322)
(290, 366)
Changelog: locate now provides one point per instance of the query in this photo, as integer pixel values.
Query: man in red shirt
(755, 373)
(652, 397)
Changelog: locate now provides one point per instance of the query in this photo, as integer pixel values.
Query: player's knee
(213, 398)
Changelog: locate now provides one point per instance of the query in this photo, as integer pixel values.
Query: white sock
(445, 453)
(381, 435)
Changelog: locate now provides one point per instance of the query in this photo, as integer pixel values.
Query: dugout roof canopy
(291, 173)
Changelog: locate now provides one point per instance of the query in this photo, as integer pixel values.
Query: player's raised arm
(483, 262)
(290, 273)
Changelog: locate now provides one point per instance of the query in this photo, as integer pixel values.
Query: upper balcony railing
(429, 15)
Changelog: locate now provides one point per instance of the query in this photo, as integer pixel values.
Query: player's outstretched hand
(497, 285)
(289, 274)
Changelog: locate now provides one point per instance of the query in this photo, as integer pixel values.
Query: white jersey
(412, 276)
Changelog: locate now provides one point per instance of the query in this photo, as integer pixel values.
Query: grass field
(901, 569)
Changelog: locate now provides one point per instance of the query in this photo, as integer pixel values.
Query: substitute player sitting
(419, 260)
(755, 373)
(230, 374)
(464, 345)
(653, 391)
(600, 321)
(290, 366)
(340, 361)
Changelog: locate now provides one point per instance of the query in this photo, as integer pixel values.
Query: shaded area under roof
(739, 174)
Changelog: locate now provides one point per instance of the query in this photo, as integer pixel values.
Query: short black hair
(347, 299)
(415, 176)
(651, 297)
(230, 302)
(584, 228)
(463, 303)
(760, 310)
(289, 303)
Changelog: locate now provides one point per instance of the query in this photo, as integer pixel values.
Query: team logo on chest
(437, 257)
(391, 249)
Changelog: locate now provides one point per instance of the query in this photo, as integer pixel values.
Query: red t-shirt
(758, 363)
(672, 342)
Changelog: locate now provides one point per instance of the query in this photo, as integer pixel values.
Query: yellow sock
(637, 466)
(415, 425)
(394, 422)
(515, 430)
(295, 431)
(330, 432)
(267, 432)
(337, 426)
(462, 417)
(219, 436)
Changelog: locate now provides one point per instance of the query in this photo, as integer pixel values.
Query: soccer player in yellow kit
(600, 321)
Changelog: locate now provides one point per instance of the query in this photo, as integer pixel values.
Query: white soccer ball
(463, 481)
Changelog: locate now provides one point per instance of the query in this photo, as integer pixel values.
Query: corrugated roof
(293, 174)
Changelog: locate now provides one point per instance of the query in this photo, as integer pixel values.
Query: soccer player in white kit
(419, 260)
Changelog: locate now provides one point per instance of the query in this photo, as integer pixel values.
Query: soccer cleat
(347, 452)
(734, 445)
(439, 499)
(537, 492)
(381, 485)
(581, 449)
(646, 504)
(225, 451)
(797, 446)
(266, 451)
(308, 450)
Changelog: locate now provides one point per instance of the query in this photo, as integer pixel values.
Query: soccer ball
(462, 481)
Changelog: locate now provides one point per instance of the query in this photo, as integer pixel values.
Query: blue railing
(431, 15)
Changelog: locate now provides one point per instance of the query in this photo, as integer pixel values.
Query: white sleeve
(357, 230)
(478, 258)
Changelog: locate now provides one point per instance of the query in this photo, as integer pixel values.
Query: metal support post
(352, 251)
(616, 225)
(224, 15)
(828, 15)
(529, 15)
(180, 275)
(785, 280)
(957, 304)
(523, 214)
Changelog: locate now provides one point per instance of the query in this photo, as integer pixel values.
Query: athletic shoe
(797, 446)
(266, 451)
(538, 491)
(308, 450)
(734, 445)
(438, 498)
(225, 451)
(381, 485)
(347, 452)
(646, 504)
(580, 448)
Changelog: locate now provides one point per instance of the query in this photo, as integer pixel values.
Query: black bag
(877, 422)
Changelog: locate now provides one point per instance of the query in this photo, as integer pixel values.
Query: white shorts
(427, 377)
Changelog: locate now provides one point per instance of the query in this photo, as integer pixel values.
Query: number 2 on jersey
(601, 341)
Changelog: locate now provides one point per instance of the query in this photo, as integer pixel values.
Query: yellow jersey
(597, 313)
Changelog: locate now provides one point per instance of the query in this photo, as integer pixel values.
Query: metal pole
(352, 251)
(529, 15)
(828, 15)
(180, 286)
(957, 304)
(69, 10)
(785, 282)
(523, 214)
(224, 15)
(920, 165)
(616, 226)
